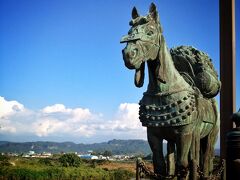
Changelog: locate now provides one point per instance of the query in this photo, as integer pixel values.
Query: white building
(88, 156)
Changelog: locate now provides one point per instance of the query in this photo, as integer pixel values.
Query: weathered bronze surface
(179, 104)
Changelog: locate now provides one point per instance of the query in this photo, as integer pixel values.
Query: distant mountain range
(115, 146)
(131, 147)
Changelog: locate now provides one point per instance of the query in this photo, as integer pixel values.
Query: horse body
(171, 109)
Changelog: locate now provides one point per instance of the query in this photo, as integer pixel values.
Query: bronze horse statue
(172, 108)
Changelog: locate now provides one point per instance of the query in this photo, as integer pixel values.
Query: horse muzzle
(130, 57)
(127, 59)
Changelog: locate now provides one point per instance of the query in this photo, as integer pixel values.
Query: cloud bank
(56, 122)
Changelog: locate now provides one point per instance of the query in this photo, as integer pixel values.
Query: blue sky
(63, 58)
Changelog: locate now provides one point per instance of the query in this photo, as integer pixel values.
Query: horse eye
(149, 33)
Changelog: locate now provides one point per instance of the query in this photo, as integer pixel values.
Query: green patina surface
(179, 104)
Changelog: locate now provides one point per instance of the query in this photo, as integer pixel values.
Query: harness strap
(166, 93)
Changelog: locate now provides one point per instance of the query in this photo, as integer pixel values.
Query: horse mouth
(129, 66)
(133, 66)
(127, 62)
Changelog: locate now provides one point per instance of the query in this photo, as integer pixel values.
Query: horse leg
(194, 154)
(207, 147)
(208, 143)
(183, 143)
(156, 145)
(170, 158)
(214, 137)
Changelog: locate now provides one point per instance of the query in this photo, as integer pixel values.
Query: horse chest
(154, 113)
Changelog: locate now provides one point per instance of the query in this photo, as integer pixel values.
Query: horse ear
(134, 13)
(153, 12)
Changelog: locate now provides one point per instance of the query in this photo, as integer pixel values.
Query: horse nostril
(134, 52)
(126, 55)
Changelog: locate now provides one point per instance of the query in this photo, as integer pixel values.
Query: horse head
(143, 42)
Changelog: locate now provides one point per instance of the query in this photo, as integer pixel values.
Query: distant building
(101, 157)
(46, 155)
(25, 155)
(88, 156)
(31, 153)
(121, 157)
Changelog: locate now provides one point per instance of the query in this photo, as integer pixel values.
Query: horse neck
(174, 81)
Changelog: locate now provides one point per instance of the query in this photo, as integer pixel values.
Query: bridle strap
(153, 44)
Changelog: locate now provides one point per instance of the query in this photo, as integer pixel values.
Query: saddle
(197, 69)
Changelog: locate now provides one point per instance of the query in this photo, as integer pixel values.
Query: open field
(127, 165)
(54, 168)
(69, 166)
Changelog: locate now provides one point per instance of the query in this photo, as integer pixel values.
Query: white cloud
(59, 121)
(5, 127)
(81, 114)
(128, 115)
(8, 108)
(46, 126)
(55, 108)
